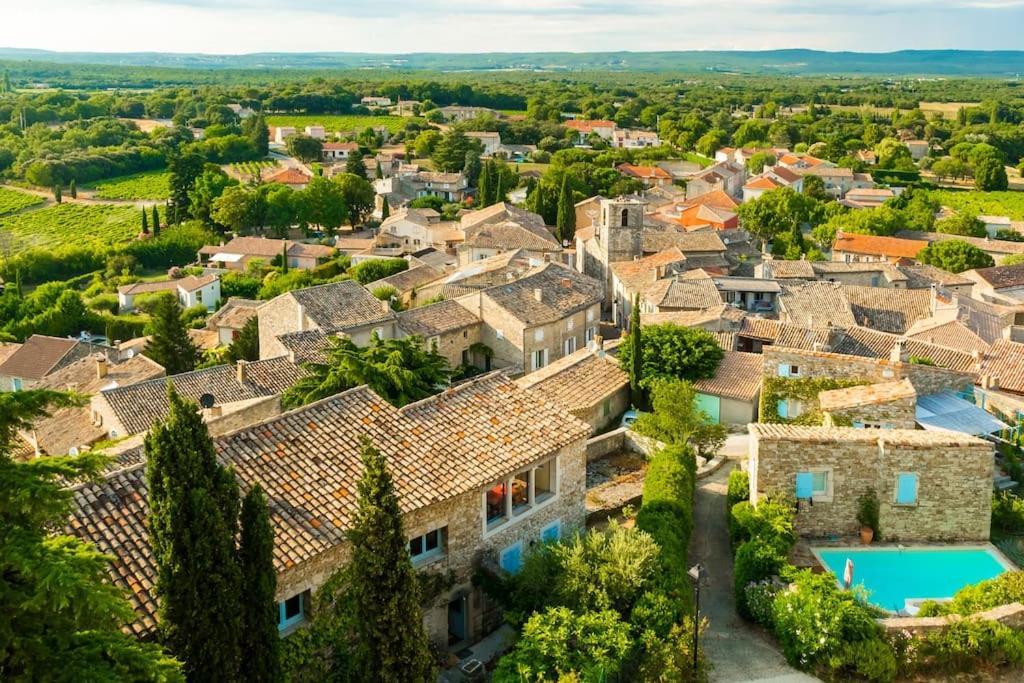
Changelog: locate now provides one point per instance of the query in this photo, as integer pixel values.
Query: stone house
(240, 251)
(550, 312)
(731, 396)
(409, 228)
(230, 318)
(489, 141)
(1000, 284)
(27, 365)
(339, 307)
(650, 176)
(449, 328)
(588, 383)
(451, 187)
(887, 405)
(504, 227)
(584, 128)
(333, 152)
(479, 275)
(727, 176)
(931, 485)
(482, 490)
(838, 181)
(190, 291)
(408, 282)
(854, 247)
(629, 138)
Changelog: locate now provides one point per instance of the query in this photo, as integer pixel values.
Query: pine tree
(145, 223)
(636, 373)
(355, 164)
(247, 345)
(169, 343)
(385, 210)
(566, 221)
(73, 189)
(156, 221)
(259, 637)
(193, 522)
(391, 643)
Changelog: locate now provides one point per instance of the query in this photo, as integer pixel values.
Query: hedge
(738, 489)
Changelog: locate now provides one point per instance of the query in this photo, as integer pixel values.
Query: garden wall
(1011, 615)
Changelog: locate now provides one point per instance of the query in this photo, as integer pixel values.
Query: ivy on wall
(804, 389)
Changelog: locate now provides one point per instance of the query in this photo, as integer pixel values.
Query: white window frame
(569, 346)
(589, 334)
(569, 325)
(543, 359)
(826, 495)
(532, 504)
(499, 335)
(427, 556)
(590, 315)
(538, 334)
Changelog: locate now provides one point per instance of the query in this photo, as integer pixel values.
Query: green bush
(872, 660)
(326, 271)
(1003, 589)
(194, 315)
(123, 328)
(740, 522)
(239, 284)
(965, 645)
(174, 246)
(372, 270)
(103, 302)
(738, 489)
(756, 560)
(771, 521)
(1007, 512)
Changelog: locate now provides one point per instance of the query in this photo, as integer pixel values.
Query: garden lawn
(147, 185)
(1005, 203)
(80, 225)
(12, 200)
(334, 123)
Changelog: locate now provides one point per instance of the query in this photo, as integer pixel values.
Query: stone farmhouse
(240, 251)
(480, 491)
(190, 291)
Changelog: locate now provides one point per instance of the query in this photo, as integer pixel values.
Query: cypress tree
(56, 194)
(483, 190)
(391, 644)
(247, 345)
(169, 343)
(145, 223)
(193, 521)
(566, 219)
(500, 187)
(385, 210)
(259, 637)
(156, 221)
(73, 189)
(636, 365)
(379, 173)
(284, 257)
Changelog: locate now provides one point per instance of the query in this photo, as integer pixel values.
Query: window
(435, 343)
(815, 485)
(16, 384)
(291, 611)
(544, 481)
(540, 358)
(538, 334)
(589, 335)
(552, 532)
(379, 331)
(520, 493)
(428, 546)
(569, 324)
(520, 488)
(465, 356)
(569, 346)
(906, 488)
(511, 558)
(606, 408)
(499, 334)
(496, 499)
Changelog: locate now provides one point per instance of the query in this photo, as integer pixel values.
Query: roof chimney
(599, 345)
(896, 356)
(538, 294)
(385, 305)
(101, 367)
(567, 283)
(242, 371)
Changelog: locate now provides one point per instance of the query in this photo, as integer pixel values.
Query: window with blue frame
(552, 532)
(814, 485)
(292, 611)
(906, 488)
(428, 546)
(511, 558)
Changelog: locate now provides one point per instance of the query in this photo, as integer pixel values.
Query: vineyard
(12, 200)
(148, 185)
(80, 225)
(984, 203)
(334, 124)
(250, 169)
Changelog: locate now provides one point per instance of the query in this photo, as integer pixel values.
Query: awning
(226, 258)
(948, 411)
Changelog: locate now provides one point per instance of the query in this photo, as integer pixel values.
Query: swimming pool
(894, 575)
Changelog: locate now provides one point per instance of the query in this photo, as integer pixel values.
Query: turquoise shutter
(783, 370)
(551, 532)
(782, 409)
(906, 489)
(512, 558)
(804, 485)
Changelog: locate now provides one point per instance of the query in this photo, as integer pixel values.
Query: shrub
(671, 658)
(326, 271)
(239, 284)
(123, 328)
(372, 270)
(756, 560)
(194, 315)
(871, 659)
(771, 521)
(738, 489)
(1003, 589)
(1007, 512)
(740, 522)
(760, 599)
(868, 512)
(103, 302)
(967, 643)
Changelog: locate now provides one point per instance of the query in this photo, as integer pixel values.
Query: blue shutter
(906, 489)
(783, 369)
(782, 409)
(512, 558)
(804, 485)
(552, 532)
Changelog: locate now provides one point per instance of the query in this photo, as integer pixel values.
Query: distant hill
(906, 62)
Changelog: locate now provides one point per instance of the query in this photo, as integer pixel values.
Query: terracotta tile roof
(37, 356)
(82, 376)
(868, 394)
(409, 279)
(308, 346)
(508, 235)
(762, 183)
(578, 381)
(563, 291)
(716, 198)
(738, 377)
(891, 437)
(888, 309)
(1005, 362)
(288, 176)
(640, 273)
(7, 349)
(696, 318)
(264, 247)
(873, 245)
(888, 270)
(786, 175)
(436, 319)
(234, 314)
(726, 340)
(691, 294)
(953, 334)
(787, 270)
(708, 242)
(644, 172)
(189, 284)
(339, 306)
(868, 343)
(587, 125)
(1002, 277)
(340, 146)
(138, 406)
(922, 276)
(308, 462)
(816, 304)
(500, 213)
(984, 243)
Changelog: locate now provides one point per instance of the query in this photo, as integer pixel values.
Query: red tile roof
(874, 245)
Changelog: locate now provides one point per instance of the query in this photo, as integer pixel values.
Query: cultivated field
(948, 110)
(245, 170)
(83, 225)
(338, 123)
(147, 185)
(12, 200)
(985, 203)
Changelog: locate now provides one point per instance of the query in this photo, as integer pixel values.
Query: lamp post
(696, 572)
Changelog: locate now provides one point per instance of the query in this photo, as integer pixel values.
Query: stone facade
(618, 236)
(284, 314)
(898, 414)
(454, 346)
(467, 543)
(954, 479)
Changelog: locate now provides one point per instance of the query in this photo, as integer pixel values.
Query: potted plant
(867, 516)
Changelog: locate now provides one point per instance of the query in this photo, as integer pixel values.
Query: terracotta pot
(866, 535)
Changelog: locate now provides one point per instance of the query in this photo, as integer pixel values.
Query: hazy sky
(237, 26)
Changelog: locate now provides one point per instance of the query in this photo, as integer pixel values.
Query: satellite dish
(73, 450)
(130, 353)
(206, 400)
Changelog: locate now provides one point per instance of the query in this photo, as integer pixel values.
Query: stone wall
(467, 544)
(601, 414)
(1011, 615)
(242, 414)
(954, 485)
(276, 317)
(898, 414)
(926, 379)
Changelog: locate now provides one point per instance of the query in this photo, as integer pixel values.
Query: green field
(12, 200)
(146, 185)
(985, 203)
(81, 225)
(335, 123)
(249, 169)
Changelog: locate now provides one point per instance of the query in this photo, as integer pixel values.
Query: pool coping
(1002, 559)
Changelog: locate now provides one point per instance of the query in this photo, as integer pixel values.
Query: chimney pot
(567, 283)
(101, 367)
(538, 294)
(385, 306)
(242, 371)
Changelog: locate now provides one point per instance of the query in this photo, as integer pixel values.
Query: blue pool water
(893, 575)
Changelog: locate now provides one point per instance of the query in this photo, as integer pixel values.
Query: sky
(397, 26)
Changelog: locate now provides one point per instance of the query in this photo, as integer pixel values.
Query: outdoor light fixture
(696, 572)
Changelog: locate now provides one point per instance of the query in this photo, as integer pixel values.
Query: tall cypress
(483, 190)
(73, 189)
(193, 521)
(145, 223)
(637, 359)
(56, 194)
(566, 219)
(156, 221)
(259, 637)
(284, 257)
(379, 173)
(391, 644)
(385, 211)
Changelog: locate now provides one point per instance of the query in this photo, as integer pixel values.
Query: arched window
(625, 218)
